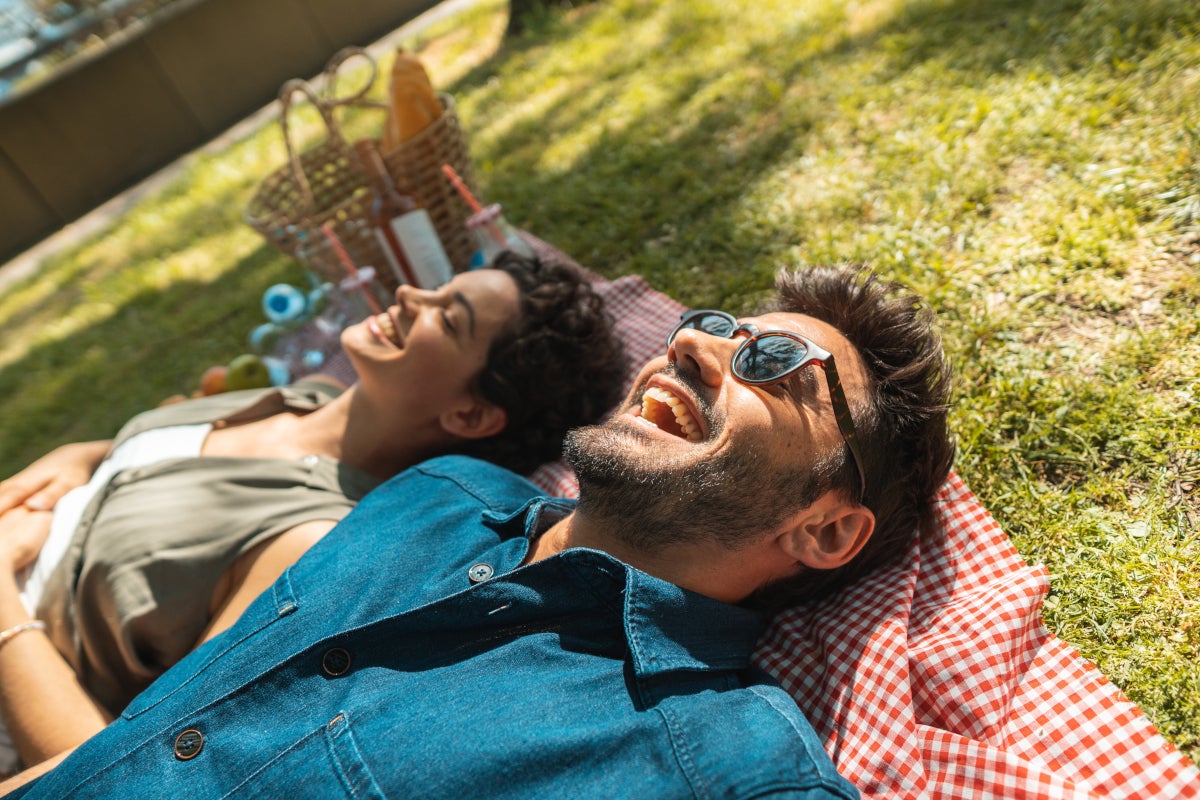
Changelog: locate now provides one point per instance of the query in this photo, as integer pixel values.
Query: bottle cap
(284, 303)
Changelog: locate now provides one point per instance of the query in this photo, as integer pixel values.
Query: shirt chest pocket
(319, 764)
(212, 759)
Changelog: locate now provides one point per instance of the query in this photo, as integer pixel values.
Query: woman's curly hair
(558, 366)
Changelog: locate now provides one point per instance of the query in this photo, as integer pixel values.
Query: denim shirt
(410, 655)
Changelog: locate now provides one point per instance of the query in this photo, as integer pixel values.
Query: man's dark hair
(902, 428)
(559, 365)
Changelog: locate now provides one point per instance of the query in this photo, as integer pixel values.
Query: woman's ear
(473, 419)
(829, 533)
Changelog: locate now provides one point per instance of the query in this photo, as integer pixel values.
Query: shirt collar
(677, 638)
(535, 516)
(668, 628)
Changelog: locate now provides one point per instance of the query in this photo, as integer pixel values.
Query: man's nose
(706, 354)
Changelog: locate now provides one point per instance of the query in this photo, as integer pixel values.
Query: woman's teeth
(388, 328)
(667, 412)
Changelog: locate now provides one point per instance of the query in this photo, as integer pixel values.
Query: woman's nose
(407, 296)
(706, 354)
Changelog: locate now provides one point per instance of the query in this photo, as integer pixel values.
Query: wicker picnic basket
(325, 184)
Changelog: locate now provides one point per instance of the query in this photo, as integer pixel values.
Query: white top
(140, 450)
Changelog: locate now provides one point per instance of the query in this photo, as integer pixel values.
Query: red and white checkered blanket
(937, 678)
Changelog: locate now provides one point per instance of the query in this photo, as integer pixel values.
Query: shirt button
(335, 662)
(188, 744)
(480, 572)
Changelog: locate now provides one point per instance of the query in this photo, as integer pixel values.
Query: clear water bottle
(493, 235)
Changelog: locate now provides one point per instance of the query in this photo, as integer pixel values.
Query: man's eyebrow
(461, 298)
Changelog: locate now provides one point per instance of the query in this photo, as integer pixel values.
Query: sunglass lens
(767, 357)
(710, 322)
(715, 324)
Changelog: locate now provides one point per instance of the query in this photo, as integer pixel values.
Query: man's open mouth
(667, 412)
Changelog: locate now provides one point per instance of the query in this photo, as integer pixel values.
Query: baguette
(414, 103)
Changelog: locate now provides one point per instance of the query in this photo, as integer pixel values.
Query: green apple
(247, 371)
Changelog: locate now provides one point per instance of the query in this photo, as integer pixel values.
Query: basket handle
(332, 72)
(326, 102)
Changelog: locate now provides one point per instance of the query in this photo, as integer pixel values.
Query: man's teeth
(656, 402)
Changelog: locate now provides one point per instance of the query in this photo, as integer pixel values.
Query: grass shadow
(151, 347)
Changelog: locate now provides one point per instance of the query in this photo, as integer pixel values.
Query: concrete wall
(101, 125)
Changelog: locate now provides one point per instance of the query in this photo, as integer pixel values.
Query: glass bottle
(404, 229)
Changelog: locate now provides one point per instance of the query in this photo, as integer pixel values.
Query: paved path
(27, 263)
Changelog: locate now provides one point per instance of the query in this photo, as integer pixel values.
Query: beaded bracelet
(17, 630)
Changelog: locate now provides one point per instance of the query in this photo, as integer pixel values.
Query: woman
(170, 549)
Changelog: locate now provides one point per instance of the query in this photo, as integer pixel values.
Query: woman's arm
(44, 706)
(36, 771)
(40, 485)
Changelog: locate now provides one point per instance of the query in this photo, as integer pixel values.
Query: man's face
(694, 454)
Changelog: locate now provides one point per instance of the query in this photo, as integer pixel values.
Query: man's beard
(650, 501)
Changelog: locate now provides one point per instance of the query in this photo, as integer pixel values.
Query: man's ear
(473, 419)
(828, 533)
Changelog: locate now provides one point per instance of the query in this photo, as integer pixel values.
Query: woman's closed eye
(458, 315)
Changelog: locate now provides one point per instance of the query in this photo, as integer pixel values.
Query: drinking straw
(462, 188)
(454, 177)
(344, 257)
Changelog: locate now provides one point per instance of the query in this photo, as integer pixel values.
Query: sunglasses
(768, 357)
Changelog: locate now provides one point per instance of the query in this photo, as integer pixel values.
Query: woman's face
(425, 350)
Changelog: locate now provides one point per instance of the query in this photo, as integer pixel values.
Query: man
(459, 634)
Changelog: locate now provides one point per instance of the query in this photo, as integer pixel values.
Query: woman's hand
(23, 532)
(40, 485)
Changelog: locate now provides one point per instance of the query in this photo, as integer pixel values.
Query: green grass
(1033, 167)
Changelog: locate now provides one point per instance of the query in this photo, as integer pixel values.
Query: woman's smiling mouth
(383, 327)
